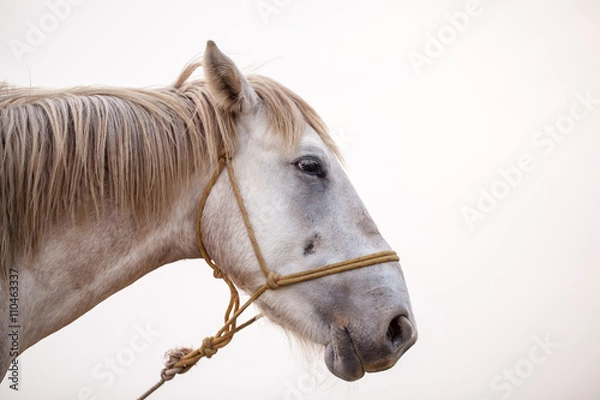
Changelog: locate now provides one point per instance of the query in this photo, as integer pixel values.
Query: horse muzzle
(354, 350)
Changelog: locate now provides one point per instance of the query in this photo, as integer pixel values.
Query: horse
(100, 186)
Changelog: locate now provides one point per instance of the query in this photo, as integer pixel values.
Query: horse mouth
(348, 360)
(341, 357)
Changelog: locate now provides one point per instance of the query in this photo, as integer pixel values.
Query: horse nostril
(399, 331)
(394, 331)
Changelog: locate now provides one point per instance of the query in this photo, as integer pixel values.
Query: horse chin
(342, 360)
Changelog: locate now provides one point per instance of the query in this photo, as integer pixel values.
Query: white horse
(99, 187)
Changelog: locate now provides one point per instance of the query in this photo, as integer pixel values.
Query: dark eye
(311, 166)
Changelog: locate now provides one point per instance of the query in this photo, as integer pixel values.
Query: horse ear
(226, 83)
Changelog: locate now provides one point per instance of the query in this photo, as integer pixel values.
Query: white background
(419, 146)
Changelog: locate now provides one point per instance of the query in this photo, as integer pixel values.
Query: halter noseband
(180, 360)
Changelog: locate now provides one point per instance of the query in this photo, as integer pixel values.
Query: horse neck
(80, 265)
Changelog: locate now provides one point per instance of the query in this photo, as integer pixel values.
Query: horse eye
(310, 166)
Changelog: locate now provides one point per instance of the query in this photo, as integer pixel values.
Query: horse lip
(342, 358)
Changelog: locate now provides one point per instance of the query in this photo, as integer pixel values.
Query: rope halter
(180, 360)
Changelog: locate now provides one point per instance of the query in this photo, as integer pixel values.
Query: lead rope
(180, 360)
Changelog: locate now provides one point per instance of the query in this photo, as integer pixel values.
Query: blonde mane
(68, 154)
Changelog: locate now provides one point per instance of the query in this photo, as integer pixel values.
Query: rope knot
(168, 374)
(218, 273)
(207, 347)
(225, 157)
(172, 357)
(272, 279)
